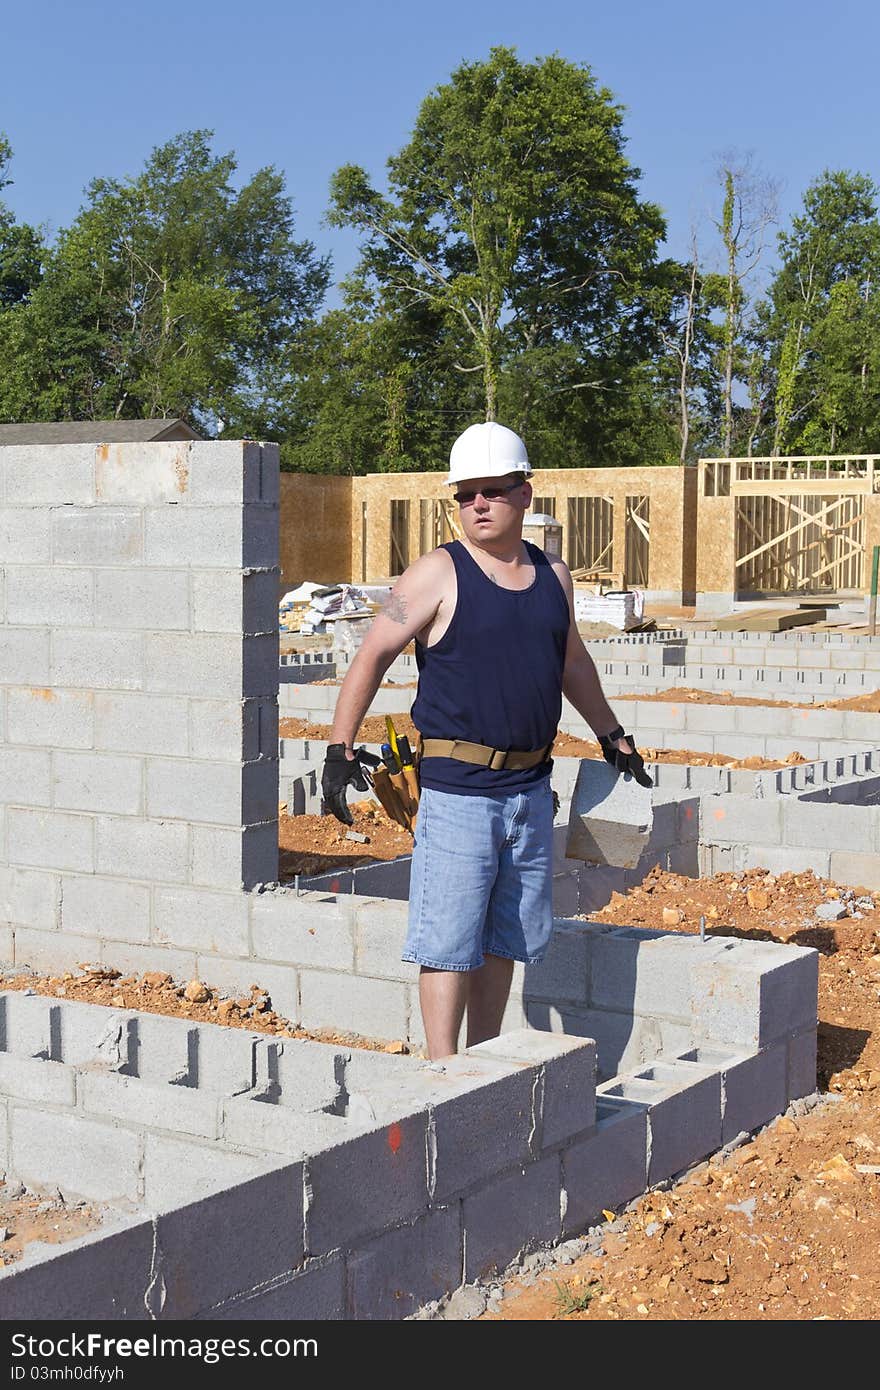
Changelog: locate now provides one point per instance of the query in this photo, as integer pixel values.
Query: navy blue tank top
(495, 676)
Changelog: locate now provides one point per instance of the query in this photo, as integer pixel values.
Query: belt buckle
(498, 767)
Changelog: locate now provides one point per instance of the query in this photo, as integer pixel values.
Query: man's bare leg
(487, 997)
(442, 996)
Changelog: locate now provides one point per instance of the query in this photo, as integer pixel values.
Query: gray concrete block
(57, 718)
(316, 1294)
(218, 470)
(133, 723)
(380, 931)
(801, 1073)
(684, 1120)
(391, 1277)
(740, 820)
(361, 1186)
(165, 1050)
(25, 776)
(138, 1103)
(54, 950)
(303, 932)
(98, 782)
(217, 857)
(757, 999)
(199, 791)
(259, 854)
(30, 897)
(389, 880)
(610, 818)
(823, 826)
(304, 1076)
(184, 1170)
(635, 970)
(235, 977)
(566, 894)
(50, 839)
(93, 1036)
(133, 959)
(373, 1008)
(623, 1040)
(35, 1079)
(193, 664)
(607, 1168)
(268, 1128)
(121, 909)
(511, 1214)
(139, 474)
(215, 730)
(564, 972)
(260, 1220)
(855, 870)
(97, 536)
(205, 537)
(57, 597)
(568, 1085)
(133, 848)
(197, 919)
(259, 791)
(752, 1088)
(85, 1158)
(52, 475)
(482, 1132)
(230, 1061)
(25, 537)
(597, 884)
(259, 665)
(26, 1024)
(24, 656)
(102, 660)
(142, 598)
(103, 1275)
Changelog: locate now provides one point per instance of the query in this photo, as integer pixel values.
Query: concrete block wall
(138, 682)
(793, 833)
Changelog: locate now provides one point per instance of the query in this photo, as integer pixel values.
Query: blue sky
(89, 88)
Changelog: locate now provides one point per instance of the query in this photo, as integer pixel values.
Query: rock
(226, 1008)
(837, 1169)
(776, 1287)
(468, 1302)
(196, 992)
(4, 1232)
(758, 899)
(710, 1272)
(831, 911)
(156, 979)
(672, 917)
(396, 1048)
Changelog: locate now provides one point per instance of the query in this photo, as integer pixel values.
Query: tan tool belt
(480, 753)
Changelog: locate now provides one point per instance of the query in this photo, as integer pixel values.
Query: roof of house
(97, 431)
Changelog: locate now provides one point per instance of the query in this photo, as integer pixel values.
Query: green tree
(21, 248)
(513, 221)
(171, 294)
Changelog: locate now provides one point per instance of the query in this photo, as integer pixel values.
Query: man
(496, 647)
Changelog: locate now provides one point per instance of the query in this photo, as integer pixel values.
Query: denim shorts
(482, 878)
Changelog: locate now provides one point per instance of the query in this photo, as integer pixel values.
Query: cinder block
(198, 920)
(58, 597)
(210, 537)
(235, 977)
(122, 910)
(752, 1088)
(388, 880)
(97, 536)
(29, 898)
(260, 728)
(24, 656)
(259, 854)
(85, 1158)
(217, 857)
(96, 1037)
(391, 1277)
(260, 1219)
(685, 1113)
(565, 971)
(635, 970)
(259, 791)
(372, 1008)
(165, 1050)
(50, 839)
(801, 1078)
(130, 723)
(132, 848)
(566, 894)
(138, 1103)
(98, 660)
(231, 1061)
(741, 820)
(194, 791)
(215, 730)
(53, 475)
(259, 669)
(54, 950)
(260, 540)
(778, 860)
(316, 1294)
(259, 612)
(607, 1168)
(133, 959)
(193, 664)
(267, 1128)
(25, 537)
(25, 776)
(823, 826)
(57, 718)
(35, 1079)
(597, 885)
(362, 1185)
(320, 934)
(380, 930)
(26, 1024)
(180, 1170)
(623, 1040)
(103, 1275)
(138, 474)
(142, 598)
(484, 1131)
(568, 1084)
(511, 1214)
(610, 818)
(756, 999)
(711, 719)
(855, 870)
(304, 1076)
(219, 469)
(218, 600)
(98, 782)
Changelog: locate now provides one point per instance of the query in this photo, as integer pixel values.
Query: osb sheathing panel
(715, 544)
(872, 537)
(316, 528)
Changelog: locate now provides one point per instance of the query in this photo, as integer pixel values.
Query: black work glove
(633, 762)
(339, 772)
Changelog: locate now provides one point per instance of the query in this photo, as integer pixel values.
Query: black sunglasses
(490, 494)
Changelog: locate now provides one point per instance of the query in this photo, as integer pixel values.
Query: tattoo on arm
(394, 608)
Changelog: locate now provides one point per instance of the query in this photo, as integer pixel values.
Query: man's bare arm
(580, 679)
(410, 607)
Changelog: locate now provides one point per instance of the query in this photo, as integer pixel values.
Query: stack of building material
(617, 609)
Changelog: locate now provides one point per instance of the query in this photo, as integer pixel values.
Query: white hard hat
(487, 451)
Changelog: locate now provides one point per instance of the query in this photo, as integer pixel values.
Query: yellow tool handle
(392, 737)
